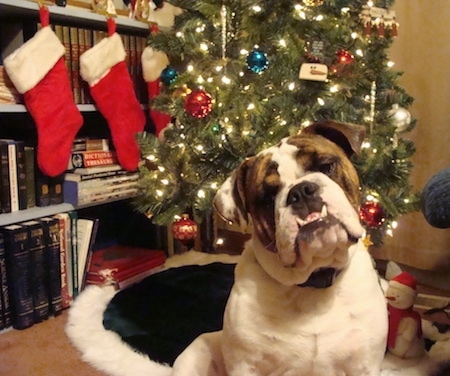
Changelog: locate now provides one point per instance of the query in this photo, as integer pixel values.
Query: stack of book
(22, 185)
(8, 93)
(94, 175)
(121, 266)
(45, 263)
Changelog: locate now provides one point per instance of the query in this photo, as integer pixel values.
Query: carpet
(140, 330)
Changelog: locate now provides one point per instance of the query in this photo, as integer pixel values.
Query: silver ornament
(401, 118)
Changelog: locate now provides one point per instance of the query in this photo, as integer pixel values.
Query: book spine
(55, 189)
(74, 196)
(13, 184)
(97, 176)
(88, 40)
(104, 182)
(19, 276)
(42, 188)
(38, 270)
(90, 144)
(4, 176)
(30, 176)
(51, 236)
(21, 175)
(66, 42)
(74, 59)
(92, 159)
(74, 246)
(4, 291)
(81, 50)
(2, 309)
(66, 293)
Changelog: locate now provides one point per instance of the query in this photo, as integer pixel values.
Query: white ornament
(401, 118)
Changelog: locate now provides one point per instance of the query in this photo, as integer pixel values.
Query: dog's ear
(229, 201)
(347, 135)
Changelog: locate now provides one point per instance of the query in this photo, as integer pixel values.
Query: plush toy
(436, 199)
(405, 326)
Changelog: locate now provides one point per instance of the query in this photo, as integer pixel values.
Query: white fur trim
(401, 286)
(29, 64)
(153, 63)
(96, 62)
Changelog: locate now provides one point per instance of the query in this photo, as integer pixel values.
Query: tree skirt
(142, 329)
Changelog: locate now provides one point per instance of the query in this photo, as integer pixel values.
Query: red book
(122, 266)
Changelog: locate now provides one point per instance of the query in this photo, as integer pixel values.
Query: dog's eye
(327, 168)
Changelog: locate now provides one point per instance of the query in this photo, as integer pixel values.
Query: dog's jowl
(306, 298)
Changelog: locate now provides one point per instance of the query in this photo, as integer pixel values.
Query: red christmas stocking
(153, 63)
(103, 67)
(38, 72)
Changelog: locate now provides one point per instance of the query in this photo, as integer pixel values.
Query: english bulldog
(306, 298)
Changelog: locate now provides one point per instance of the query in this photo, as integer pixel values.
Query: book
(55, 189)
(86, 234)
(89, 182)
(18, 272)
(74, 196)
(30, 176)
(8, 92)
(65, 247)
(42, 193)
(77, 177)
(73, 215)
(13, 184)
(92, 159)
(95, 170)
(53, 263)
(90, 144)
(21, 175)
(4, 293)
(4, 179)
(63, 33)
(74, 62)
(122, 265)
(38, 270)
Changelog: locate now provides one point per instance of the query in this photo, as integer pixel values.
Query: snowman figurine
(405, 326)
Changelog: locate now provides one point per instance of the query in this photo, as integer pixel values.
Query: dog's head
(302, 197)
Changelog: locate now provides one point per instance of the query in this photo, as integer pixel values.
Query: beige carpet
(42, 350)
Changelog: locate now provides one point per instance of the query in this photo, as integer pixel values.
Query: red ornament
(184, 229)
(344, 57)
(372, 214)
(198, 104)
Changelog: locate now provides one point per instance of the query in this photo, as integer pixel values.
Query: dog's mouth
(316, 219)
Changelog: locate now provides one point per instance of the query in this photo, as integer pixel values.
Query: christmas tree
(243, 74)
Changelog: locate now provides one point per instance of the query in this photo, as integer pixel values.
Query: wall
(422, 52)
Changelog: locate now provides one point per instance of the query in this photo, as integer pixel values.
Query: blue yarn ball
(436, 199)
(257, 61)
(168, 76)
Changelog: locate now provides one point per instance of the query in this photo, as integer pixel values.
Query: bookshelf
(19, 19)
(118, 223)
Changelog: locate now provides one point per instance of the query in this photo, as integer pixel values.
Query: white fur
(29, 64)
(96, 62)
(105, 351)
(301, 331)
(153, 63)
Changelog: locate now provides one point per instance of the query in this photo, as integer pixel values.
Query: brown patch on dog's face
(318, 154)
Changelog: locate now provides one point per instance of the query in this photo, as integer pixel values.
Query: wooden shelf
(70, 14)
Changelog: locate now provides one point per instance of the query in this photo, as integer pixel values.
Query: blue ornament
(257, 61)
(168, 76)
(436, 199)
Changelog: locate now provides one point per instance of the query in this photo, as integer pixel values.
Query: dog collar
(321, 279)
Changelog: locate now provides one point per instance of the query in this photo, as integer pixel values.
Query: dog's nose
(303, 198)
